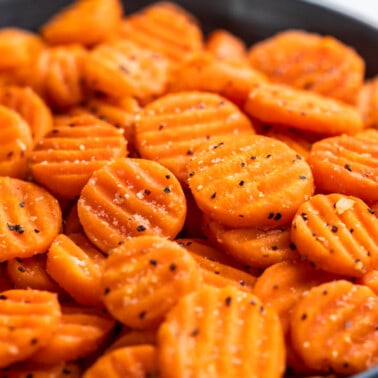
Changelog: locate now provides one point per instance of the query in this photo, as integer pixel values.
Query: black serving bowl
(252, 20)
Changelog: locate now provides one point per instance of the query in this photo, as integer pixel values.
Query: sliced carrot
(254, 181)
(322, 64)
(77, 266)
(132, 362)
(343, 317)
(71, 223)
(204, 72)
(369, 279)
(145, 277)
(257, 248)
(169, 129)
(221, 333)
(85, 22)
(28, 319)
(215, 273)
(289, 107)
(30, 219)
(337, 233)
(123, 68)
(30, 107)
(225, 45)
(16, 143)
(166, 28)
(128, 198)
(134, 337)
(66, 157)
(368, 102)
(79, 333)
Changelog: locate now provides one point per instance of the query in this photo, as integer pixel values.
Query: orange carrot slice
(66, 157)
(169, 129)
(309, 61)
(289, 107)
(166, 28)
(79, 333)
(16, 143)
(128, 198)
(337, 233)
(368, 102)
(369, 279)
(133, 362)
(30, 107)
(347, 164)
(254, 247)
(145, 277)
(342, 316)
(30, 219)
(85, 22)
(249, 342)
(204, 72)
(254, 181)
(77, 266)
(122, 68)
(28, 319)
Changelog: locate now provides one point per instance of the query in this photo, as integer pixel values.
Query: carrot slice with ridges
(368, 102)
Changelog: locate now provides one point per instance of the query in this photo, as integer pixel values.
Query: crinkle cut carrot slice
(79, 333)
(309, 61)
(369, 279)
(28, 319)
(30, 219)
(145, 277)
(254, 181)
(368, 102)
(347, 164)
(132, 361)
(342, 316)
(66, 157)
(86, 22)
(16, 143)
(337, 233)
(223, 333)
(204, 72)
(123, 68)
(170, 128)
(134, 337)
(255, 247)
(30, 107)
(77, 266)
(288, 107)
(166, 28)
(128, 198)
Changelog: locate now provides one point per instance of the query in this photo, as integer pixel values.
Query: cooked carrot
(57, 75)
(253, 181)
(145, 277)
(368, 102)
(128, 198)
(122, 68)
(254, 247)
(30, 219)
(79, 333)
(169, 129)
(16, 143)
(134, 337)
(303, 60)
(204, 72)
(221, 333)
(337, 233)
(334, 327)
(281, 286)
(30, 107)
(213, 272)
(347, 164)
(289, 107)
(166, 28)
(28, 319)
(66, 157)
(77, 266)
(86, 22)
(225, 45)
(369, 279)
(71, 223)
(132, 362)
